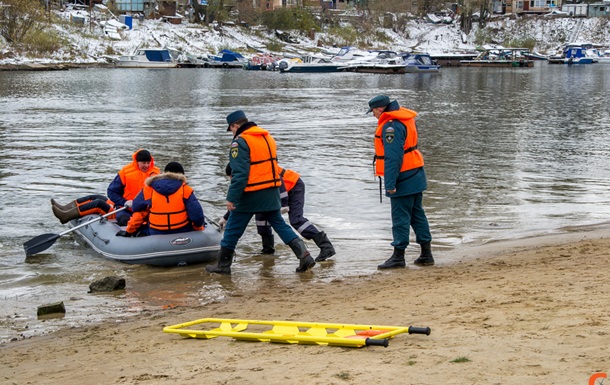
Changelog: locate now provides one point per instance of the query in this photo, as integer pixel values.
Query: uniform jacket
(394, 135)
(267, 199)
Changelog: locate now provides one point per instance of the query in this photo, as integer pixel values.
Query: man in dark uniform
(401, 164)
(254, 188)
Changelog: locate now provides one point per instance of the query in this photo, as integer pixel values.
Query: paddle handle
(92, 221)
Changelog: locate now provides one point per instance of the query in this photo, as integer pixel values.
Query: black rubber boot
(326, 248)
(396, 260)
(306, 262)
(225, 259)
(268, 244)
(67, 207)
(425, 258)
(66, 216)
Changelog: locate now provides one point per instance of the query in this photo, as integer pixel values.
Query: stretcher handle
(419, 330)
(373, 342)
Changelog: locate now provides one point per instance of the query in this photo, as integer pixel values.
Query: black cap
(143, 156)
(174, 167)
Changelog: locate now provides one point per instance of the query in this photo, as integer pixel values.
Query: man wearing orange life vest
(167, 203)
(292, 194)
(125, 186)
(254, 188)
(401, 164)
(129, 181)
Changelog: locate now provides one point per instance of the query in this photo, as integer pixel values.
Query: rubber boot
(225, 259)
(67, 207)
(326, 248)
(66, 216)
(306, 262)
(268, 244)
(425, 258)
(396, 260)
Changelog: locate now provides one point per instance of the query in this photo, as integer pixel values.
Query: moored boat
(572, 54)
(420, 62)
(147, 58)
(500, 57)
(163, 250)
(310, 64)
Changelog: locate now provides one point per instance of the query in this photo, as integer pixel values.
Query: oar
(44, 241)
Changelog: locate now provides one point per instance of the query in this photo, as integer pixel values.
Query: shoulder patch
(234, 152)
(234, 144)
(389, 136)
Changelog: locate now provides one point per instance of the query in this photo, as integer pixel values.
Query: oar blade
(40, 243)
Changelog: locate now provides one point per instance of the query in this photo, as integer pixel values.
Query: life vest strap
(264, 160)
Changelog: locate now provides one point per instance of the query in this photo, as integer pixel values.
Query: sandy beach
(533, 311)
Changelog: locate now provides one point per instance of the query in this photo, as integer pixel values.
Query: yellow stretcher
(291, 332)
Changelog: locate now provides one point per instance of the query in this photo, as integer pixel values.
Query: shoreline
(33, 66)
(514, 312)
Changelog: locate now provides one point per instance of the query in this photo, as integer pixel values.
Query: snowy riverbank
(88, 44)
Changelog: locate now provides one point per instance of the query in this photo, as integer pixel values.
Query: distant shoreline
(51, 66)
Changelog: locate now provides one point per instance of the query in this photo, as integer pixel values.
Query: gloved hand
(124, 233)
(128, 204)
(221, 223)
(285, 209)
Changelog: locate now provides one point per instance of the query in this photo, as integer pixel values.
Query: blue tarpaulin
(162, 56)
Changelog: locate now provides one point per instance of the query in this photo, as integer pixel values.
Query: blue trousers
(238, 221)
(296, 202)
(407, 212)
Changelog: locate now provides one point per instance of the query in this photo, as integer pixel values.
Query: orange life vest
(133, 179)
(167, 212)
(412, 157)
(264, 170)
(290, 178)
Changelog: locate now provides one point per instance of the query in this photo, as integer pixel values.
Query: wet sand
(533, 311)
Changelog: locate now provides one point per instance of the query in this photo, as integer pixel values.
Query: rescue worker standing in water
(167, 203)
(401, 164)
(254, 188)
(129, 181)
(292, 194)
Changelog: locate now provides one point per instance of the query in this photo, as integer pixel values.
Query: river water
(510, 153)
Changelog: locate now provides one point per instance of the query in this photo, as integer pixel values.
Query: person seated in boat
(125, 186)
(129, 181)
(168, 203)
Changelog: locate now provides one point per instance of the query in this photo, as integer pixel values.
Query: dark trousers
(296, 202)
(238, 221)
(407, 212)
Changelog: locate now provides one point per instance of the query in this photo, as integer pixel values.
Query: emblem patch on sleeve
(234, 149)
(389, 137)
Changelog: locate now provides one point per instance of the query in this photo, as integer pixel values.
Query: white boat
(378, 62)
(147, 58)
(310, 64)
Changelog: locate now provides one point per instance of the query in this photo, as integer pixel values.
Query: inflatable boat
(157, 250)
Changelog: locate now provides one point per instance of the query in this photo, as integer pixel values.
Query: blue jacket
(167, 184)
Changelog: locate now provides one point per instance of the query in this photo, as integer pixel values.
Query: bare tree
(18, 17)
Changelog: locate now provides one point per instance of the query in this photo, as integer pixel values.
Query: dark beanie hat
(174, 167)
(143, 156)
